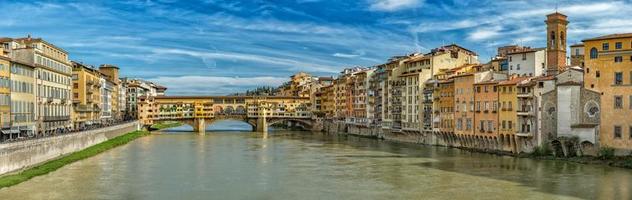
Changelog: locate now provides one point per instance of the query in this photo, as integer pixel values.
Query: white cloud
(485, 33)
(393, 5)
(214, 85)
(247, 57)
(445, 26)
(347, 55)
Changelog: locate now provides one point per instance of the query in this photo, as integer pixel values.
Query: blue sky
(206, 47)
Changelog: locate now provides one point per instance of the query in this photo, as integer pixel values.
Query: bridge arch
(305, 123)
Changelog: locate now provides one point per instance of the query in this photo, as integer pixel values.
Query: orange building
(464, 104)
(486, 109)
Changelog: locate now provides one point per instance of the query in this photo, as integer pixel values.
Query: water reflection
(177, 164)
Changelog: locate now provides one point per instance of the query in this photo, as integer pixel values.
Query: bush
(606, 153)
(541, 151)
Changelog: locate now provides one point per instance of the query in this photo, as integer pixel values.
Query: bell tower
(556, 43)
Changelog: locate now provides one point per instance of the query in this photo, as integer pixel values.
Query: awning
(10, 131)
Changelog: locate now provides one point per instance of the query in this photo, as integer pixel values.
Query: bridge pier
(262, 125)
(199, 126)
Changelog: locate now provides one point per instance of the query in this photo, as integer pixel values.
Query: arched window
(552, 41)
(562, 39)
(593, 53)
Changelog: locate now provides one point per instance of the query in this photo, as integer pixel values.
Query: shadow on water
(553, 177)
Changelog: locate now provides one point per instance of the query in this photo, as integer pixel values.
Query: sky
(217, 47)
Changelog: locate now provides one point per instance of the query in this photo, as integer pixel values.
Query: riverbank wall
(24, 154)
(501, 144)
(494, 145)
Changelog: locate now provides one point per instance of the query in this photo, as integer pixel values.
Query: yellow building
(608, 70)
(5, 93)
(52, 83)
(279, 106)
(299, 85)
(508, 116)
(23, 92)
(86, 96)
(340, 97)
(418, 69)
(328, 101)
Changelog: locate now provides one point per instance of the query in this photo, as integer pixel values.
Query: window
(617, 132)
(510, 58)
(618, 45)
(504, 124)
(605, 46)
(618, 59)
(468, 124)
(518, 67)
(618, 102)
(630, 131)
(577, 52)
(597, 74)
(540, 84)
(510, 124)
(552, 39)
(524, 56)
(593, 53)
(618, 78)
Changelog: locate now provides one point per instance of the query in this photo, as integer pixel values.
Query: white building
(527, 62)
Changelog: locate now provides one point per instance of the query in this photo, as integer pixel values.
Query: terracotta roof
(578, 45)
(611, 36)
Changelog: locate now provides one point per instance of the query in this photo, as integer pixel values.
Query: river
(233, 164)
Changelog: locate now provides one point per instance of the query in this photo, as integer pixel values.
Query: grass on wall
(47, 167)
(165, 125)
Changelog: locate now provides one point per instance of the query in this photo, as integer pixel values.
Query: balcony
(56, 118)
(525, 95)
(525, 111)
(524, 134)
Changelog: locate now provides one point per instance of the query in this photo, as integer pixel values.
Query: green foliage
(606, 153)
(165, 125)
(53, 165)
(542, 151)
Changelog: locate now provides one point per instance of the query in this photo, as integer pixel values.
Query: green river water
(178, 164)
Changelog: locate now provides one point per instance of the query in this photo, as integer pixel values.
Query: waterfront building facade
(571, 115)
(86, 96)
(52, 83)
(608, 70)
(137, 88)
(5, 86)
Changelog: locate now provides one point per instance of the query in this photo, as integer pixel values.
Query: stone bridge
(200, 111)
